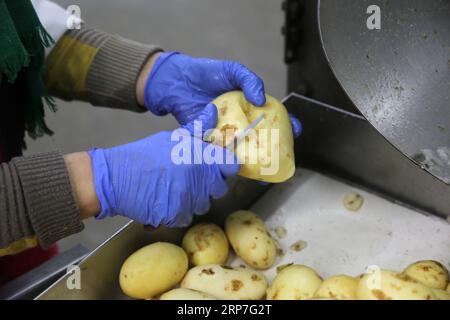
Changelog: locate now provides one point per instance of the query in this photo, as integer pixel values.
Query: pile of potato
(154, 271)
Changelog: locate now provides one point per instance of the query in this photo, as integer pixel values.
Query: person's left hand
(183, 86)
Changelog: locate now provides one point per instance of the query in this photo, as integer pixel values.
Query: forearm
(99, 68)
(36, 199)
(143, 76)
(81, 177)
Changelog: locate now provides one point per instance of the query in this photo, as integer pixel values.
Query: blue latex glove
(140, 181)
(183, 86)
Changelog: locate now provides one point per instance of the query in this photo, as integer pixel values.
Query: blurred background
(245, 30)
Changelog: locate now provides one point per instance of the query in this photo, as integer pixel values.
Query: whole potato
(223, 282)
(153, 270)
(263, 156)
(294, 282)
(186, 294)
(391, 285)
(441, 294)
(430, 273)
(206, 243)
(250, 239)
(339, 287)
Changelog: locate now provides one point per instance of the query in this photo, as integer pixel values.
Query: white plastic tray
(310, 207)
(381, 233)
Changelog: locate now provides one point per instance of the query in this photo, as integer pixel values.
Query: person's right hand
(141, 181)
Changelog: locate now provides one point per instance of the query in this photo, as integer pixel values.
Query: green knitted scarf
(22, 53)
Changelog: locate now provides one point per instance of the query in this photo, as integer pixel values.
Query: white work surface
(339, 241)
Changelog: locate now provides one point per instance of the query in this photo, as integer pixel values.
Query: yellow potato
(250, 239)
(448, 288)
(294, 282)
(268, 153)
(339, 287)
(223, 282)
(186, 294)
(441, 294)
(430, 273)
(206, 243)
(152, 270)
(391, 285)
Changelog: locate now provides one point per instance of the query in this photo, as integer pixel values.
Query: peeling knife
(235, 142)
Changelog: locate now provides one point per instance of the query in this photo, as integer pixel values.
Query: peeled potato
(339, 287)
(294, 282)
(206, 243)
(223, 282)
(391, 285)
(152, 270)
(448, 288)
(250, 239)
(263, 155)
(441, 294)
(430, 273)
(186, 294)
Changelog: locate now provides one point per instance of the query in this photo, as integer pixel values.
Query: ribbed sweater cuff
(114, 72)
(48, 196)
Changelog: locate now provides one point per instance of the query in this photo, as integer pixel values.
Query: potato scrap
(299, 245)
(353, 201)
(281, 232)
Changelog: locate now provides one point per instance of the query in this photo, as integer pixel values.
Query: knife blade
(235, 142)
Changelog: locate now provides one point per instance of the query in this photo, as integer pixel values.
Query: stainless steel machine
(398, 77)
(381, 128)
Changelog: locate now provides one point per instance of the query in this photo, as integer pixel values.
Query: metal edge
(92, 253)
(27, 285)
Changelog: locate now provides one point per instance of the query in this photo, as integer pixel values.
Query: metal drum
(398, 76)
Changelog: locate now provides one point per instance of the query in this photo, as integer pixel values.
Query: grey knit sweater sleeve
(36, 199)
(36, 196)
(97, 67)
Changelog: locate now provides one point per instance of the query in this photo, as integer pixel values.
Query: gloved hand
(183, 86)
(140, 180)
